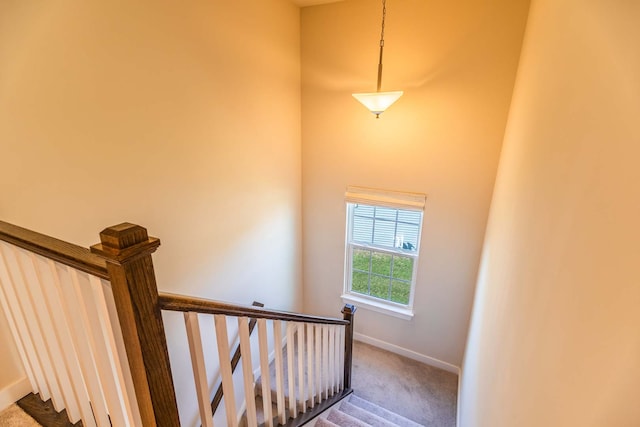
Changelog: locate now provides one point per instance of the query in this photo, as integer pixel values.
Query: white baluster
(247, 370)
(91, 326)
(32, 339)
(222, 340)
(332, 360)
(293, 407)
(54, 368)
(80, 342)
(264, 372)
(277, 345)
(301, 359)
(93, 312)
(318, 366)
(199, 370)
(16, 322)
(341, 357)
(336, 347)
(310, 366)
(325, 360)
(54, 327)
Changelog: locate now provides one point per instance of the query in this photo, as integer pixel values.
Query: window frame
(394, 200)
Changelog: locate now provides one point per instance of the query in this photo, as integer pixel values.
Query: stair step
(382, 412)
(344, 420)
(364, 415)
(323, 422)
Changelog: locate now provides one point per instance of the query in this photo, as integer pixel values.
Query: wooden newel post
(348, 312)
(127, 249)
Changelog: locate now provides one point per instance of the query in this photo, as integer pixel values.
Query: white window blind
(387, 198)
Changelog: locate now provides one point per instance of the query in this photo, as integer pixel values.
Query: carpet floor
(13, 416)
(419, 392)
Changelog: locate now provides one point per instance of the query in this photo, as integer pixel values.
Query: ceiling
(303, 3)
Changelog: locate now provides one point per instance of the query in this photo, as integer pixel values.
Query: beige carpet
(420, 392)
(13, 416)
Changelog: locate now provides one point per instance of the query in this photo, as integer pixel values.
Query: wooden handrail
(63, 252)
(172, 302)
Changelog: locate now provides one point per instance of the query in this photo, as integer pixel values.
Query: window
(382, 247)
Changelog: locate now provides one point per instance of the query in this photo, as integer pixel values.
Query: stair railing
(314, 362)
(76, 315)
(58, 302)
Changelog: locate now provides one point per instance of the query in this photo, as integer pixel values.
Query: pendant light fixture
(377, 102)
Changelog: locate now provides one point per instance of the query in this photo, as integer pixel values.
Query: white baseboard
(431, 361)
(14, 392)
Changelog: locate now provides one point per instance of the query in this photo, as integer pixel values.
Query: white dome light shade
(378, 102)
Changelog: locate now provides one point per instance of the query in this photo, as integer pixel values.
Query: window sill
(378, 306)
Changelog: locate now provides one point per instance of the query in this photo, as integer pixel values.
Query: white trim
(378, 306)
(431, 361)
(14, 392)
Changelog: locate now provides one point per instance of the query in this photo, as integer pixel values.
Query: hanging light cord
(384, 15)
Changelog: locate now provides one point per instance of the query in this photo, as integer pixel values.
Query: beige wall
(456, 62)
(182, 117)
(554, 339)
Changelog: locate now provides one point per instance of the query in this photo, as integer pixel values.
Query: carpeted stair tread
(366, 416)
(345, 420)
(382, 412)
(323, 422)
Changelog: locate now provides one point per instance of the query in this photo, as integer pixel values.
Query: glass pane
(400, 292)
(407, 235)
(362, 229)
(363, 210)
(402, 268)
(384, 233)
(360, 282)
(381, 264)
(386, 213)
(380, 287)
(360, 260)
(412, 217)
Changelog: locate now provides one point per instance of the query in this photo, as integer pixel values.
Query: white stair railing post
(222, 339)
(293, 407)
(264, 372)
(247, 370)
(280, 403)
(310, 367)
(194, 337)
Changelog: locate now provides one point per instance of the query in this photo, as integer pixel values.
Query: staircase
(346, 410)
(356, 412)
(89, 327)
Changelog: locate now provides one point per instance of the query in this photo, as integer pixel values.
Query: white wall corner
(428, 360)
(14, 392)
